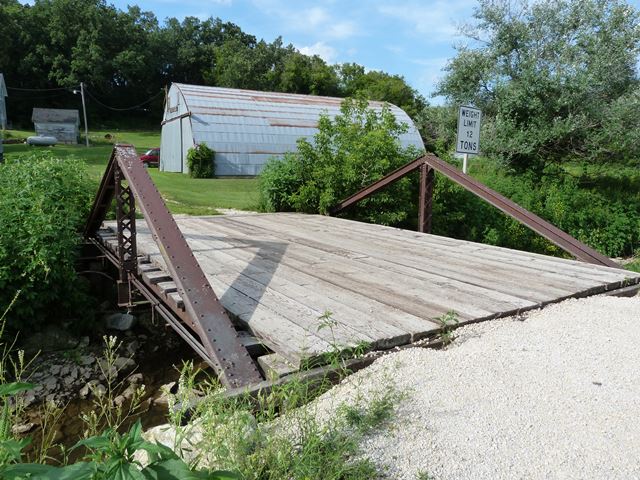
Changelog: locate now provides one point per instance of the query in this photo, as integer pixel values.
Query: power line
(38, 89)
(116, 109)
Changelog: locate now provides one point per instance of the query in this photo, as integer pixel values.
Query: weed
(423, 475)
(449, 322)
(108, 411)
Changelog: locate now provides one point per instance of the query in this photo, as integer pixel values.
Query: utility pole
(84, 111)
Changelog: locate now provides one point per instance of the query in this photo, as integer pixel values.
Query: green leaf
(14, 447)
(96, 443)
(157, 451)
(126, 471)
(179, 470)
(77, 471)
(7, 389)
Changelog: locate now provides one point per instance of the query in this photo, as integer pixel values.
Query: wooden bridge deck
(278, 274)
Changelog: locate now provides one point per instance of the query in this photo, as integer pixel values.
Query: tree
(356, 148)
(555, 79)
(380, 86)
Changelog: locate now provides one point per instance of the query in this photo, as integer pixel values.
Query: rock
(51, 398)
(29, 398)
(50, 383)
(87, 360)
(98, 390)
(132, 347)
(120, 321)
(84, 342)
(65, 370)
(51, 338)
(22, 428)
(55, 369)
(165, 392)
(135, 378)
(124, 363)
(119, 400)
(84, 391)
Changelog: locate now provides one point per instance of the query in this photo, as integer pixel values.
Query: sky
(405, 37)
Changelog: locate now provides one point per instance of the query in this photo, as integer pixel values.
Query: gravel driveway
(554, 396)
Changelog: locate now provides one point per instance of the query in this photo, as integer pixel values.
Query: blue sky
(410, 38)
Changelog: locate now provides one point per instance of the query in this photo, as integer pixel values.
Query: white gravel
(554, 396)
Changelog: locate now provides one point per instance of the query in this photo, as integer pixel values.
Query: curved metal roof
(246, 127)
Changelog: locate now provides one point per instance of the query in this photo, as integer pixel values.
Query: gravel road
(554, 396)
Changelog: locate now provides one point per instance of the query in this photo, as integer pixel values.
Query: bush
(607, 219)
(44, 202)
(201, 161)
(348, 153)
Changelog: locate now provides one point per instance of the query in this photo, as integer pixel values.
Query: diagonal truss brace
(206, 315)
(427, 164)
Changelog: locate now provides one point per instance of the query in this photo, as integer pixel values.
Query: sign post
(468, 140)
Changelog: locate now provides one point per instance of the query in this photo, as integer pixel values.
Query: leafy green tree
(556, 80)
(356, 148)
(381, 86)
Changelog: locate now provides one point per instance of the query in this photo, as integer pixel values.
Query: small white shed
(62, 124)
(244, 127)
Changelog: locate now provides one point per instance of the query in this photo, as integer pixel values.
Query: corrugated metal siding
(246, 128)
(170, 147)
(63, 132)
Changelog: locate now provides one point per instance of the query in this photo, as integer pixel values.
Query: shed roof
(55, 115)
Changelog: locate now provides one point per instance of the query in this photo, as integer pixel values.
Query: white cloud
(342, 30)
(313, 17)
(437, 22)
(324, 51)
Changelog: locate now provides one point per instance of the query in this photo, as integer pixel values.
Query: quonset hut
(244, 127)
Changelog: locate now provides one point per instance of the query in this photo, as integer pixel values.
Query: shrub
(44, 202)
(201, 161)
(349, 152)
(607, 219)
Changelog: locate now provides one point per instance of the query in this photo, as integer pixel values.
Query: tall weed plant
(44, 201)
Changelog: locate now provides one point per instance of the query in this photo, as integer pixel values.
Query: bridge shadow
(246, 281)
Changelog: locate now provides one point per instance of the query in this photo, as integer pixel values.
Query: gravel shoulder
(554, 396)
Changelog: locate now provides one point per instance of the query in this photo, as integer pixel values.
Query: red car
(151, 158)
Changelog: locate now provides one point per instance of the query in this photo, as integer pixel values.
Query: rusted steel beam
(380, 184)
(542, 227)
(208, 318)
(427, 178)
(431, 162)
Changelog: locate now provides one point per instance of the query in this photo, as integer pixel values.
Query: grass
(181, 193)
(282, 434)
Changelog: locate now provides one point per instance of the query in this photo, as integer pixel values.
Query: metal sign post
(468, 140)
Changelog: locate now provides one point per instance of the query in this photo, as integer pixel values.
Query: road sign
(468, 140)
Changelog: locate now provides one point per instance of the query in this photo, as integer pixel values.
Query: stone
(65, 370)
(119, 400)
(84, 342)
(124, 363)
(50, 383)
(87, 360)
(120, 321)
(55, 369)
(22, 428)
(132, 347)
(135, 378)
(98, 390)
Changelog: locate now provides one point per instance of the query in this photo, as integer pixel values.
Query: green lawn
(182, 194)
